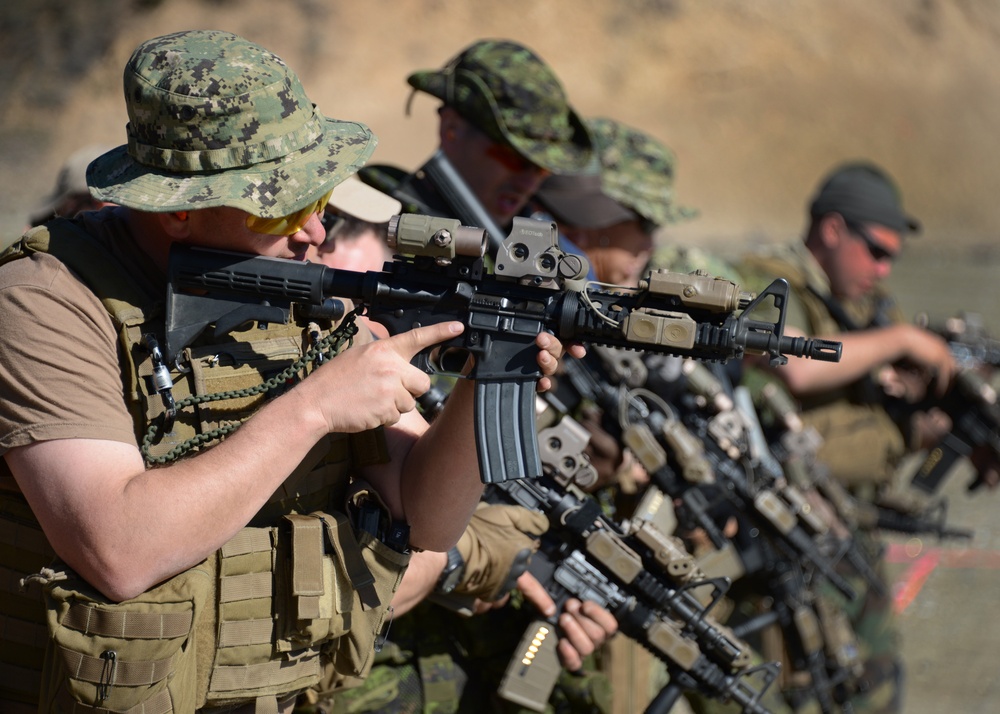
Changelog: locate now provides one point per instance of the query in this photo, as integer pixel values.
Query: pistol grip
(506, 436)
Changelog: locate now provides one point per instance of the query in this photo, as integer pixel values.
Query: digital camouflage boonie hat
(216, 120)
(510, 94)
(636, 182)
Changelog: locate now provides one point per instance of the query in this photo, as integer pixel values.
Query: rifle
(462, 202)
(795, 446)
(794, 605)
(811, 643)
(646, 580)
(439, 275)
(703, 450)
(972, 405)
(968, 340)
(932, 521)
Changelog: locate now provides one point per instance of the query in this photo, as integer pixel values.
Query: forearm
(863, 352)
(125, 528)
(441, 484)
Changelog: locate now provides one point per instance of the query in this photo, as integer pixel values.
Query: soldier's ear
(831, 230)
(450, 126)
(176, 224)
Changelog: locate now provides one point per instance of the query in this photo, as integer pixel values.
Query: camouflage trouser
(880, 687)
(442, 663)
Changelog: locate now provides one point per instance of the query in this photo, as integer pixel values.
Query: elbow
(438, 541)
(117, 579)
(120, 591)
(120, 584)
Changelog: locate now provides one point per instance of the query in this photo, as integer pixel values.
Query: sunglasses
(511, 160)
(292, 223)
(877, 251)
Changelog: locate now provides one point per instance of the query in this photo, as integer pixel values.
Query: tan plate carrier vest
(296, 590)
(861, 443)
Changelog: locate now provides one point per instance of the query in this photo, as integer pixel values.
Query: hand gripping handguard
(647, 581)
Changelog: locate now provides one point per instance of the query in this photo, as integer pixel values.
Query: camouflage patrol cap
(510, 94)
(636, 182)
(216, 120)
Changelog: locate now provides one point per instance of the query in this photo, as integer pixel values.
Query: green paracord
(323, 349)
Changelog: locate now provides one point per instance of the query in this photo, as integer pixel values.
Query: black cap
(862, 192)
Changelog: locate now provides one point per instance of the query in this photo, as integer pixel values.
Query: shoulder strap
(771, 264)
(88, 257)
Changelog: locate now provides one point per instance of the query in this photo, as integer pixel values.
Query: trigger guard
(443, 360)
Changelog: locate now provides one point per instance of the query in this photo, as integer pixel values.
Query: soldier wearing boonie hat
(250, 140)
(506, 91)
(226, 579)
(636, 182)
(612, 216)
(505, 124)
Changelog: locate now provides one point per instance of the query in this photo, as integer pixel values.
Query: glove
(496, 548)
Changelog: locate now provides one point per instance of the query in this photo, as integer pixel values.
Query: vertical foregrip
(506, 437)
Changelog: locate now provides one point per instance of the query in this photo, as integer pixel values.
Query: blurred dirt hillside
(757, 97)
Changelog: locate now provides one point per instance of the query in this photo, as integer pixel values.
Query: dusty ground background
(757, 97)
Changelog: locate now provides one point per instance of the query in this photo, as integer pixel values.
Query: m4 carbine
(439, 275)
(647, 581)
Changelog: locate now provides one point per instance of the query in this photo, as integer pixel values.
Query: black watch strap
(452, 573)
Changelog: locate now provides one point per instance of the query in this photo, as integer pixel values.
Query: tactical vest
(862, 444)
(295, 590)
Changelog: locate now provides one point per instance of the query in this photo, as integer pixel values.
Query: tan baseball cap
(359, 200)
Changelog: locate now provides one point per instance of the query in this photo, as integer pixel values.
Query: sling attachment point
(162, 382)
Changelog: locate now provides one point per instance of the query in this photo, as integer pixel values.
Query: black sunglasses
(876, 249)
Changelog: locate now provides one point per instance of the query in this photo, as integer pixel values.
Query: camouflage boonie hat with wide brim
(638, 172)
(216, 120)
(636, 183)
(510, 94)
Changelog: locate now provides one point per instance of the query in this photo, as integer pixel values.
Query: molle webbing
(257, 612)
(23, 549)
(224, 403)
(129, 625)
(159, 703)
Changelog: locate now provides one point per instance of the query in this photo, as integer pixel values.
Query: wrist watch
(452, 573)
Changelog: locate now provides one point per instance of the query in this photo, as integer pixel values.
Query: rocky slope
(758, 99)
